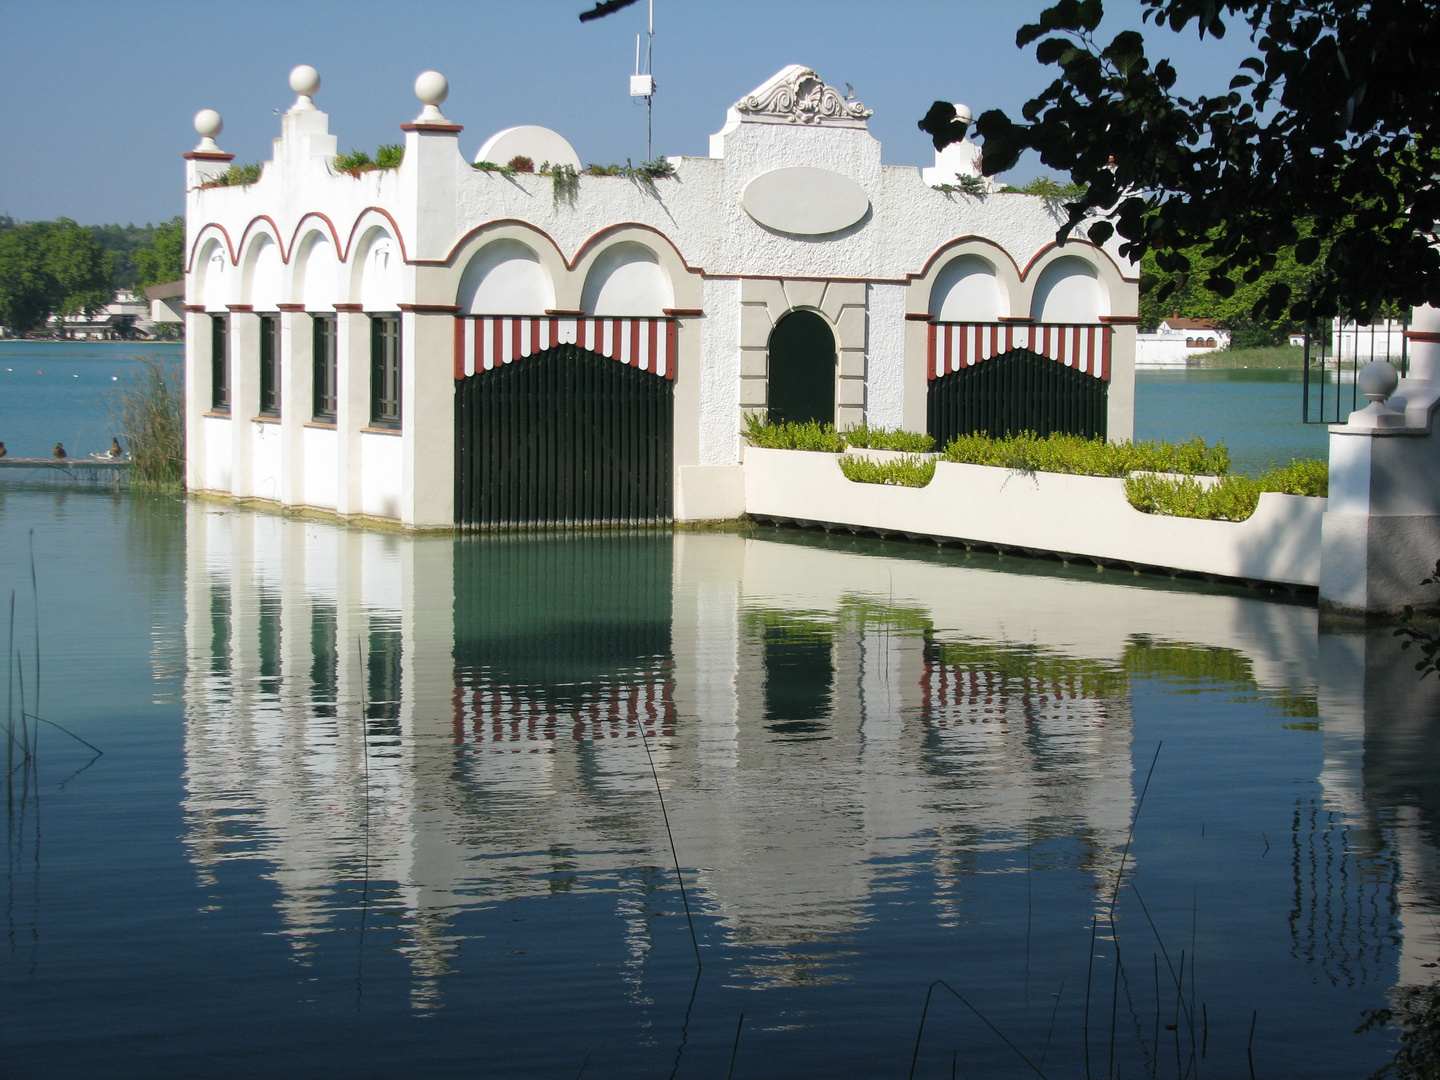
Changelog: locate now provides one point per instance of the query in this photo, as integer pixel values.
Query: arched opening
(966, 290)
(1068, 291)
(505, 278)
(802, 369)
(627, 280)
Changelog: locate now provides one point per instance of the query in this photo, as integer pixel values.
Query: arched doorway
(563, 437)
(802, 369)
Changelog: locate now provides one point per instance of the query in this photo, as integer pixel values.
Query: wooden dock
(85, 466)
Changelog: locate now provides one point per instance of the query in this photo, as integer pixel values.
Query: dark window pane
(220, 363)
(325, 367)
(269, 365)
(385, 371)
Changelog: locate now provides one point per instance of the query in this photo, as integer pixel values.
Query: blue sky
(97, 99)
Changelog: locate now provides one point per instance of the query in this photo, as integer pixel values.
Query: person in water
(59, 451)
(2, 449)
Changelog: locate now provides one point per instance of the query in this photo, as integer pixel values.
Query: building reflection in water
(404, 728)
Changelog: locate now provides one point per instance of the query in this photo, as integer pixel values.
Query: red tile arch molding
(960, 345)
(483, 342)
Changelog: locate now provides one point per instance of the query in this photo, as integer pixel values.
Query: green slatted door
(564, 437)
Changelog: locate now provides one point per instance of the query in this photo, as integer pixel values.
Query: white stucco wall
(381, 458)
(720, 373)
(217, 471)
(267, 461)
(321, 467)
(885, 357)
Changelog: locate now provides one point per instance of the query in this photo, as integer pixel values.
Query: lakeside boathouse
(439, 345)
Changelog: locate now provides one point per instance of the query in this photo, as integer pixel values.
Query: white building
(1175, 340)
(441, 345)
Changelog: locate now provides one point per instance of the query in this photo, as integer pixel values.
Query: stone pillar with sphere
(1381, 533)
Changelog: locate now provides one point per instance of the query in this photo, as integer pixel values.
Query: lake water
(380, 805)
(65, 391)
(1255, 413)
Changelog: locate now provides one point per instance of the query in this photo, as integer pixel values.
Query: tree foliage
(122, 242)
(1331, 122)
(51, 268)
(1237, 312)
(163, 260)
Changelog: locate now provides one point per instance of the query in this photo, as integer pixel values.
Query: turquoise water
(383, 805)
(65, 392)
(378, 805)
(1255, 413)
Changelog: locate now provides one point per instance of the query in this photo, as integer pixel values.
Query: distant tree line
(67, 269)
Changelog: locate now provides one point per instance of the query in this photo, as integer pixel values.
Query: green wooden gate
(563, 437)
(1017, 391)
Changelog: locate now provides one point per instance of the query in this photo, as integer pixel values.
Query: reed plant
(150, 414)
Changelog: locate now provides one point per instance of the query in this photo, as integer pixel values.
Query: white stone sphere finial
(1377, 380)
(432, 88)
(305, 81)
(207, 125)
(964, 115)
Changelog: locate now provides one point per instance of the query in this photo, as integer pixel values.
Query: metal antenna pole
(650, 100)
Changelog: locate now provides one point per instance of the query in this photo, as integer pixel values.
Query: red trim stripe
(484, 342)
(952, 347)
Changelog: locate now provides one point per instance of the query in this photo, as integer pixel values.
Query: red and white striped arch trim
(484, 342)
(961, 345)
(491, 712)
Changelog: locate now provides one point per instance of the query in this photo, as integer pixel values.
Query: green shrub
(1308, 477)
(965, 184)
(564, 183)
(490, 166)
(789, 436)
(1232, 498)
(1074, 454)
(907, 471)
(354, 162)
(237, 176)
(388, 156)
(911, 442)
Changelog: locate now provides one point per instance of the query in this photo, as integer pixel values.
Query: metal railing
(1335, 353)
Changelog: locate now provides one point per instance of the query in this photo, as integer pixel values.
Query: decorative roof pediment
(798, 96)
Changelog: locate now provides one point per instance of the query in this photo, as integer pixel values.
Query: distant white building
(167, 302)
(1383, 340)
(126, 316)
(1177, 339)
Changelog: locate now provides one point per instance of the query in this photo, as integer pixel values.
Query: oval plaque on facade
(804, 201)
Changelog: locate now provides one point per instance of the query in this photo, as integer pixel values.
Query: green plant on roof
(388, 156)
(237, 176)
(967, 184)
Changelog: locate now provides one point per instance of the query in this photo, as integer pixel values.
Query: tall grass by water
(150, 415)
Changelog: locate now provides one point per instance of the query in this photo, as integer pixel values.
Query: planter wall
(1086, 516)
